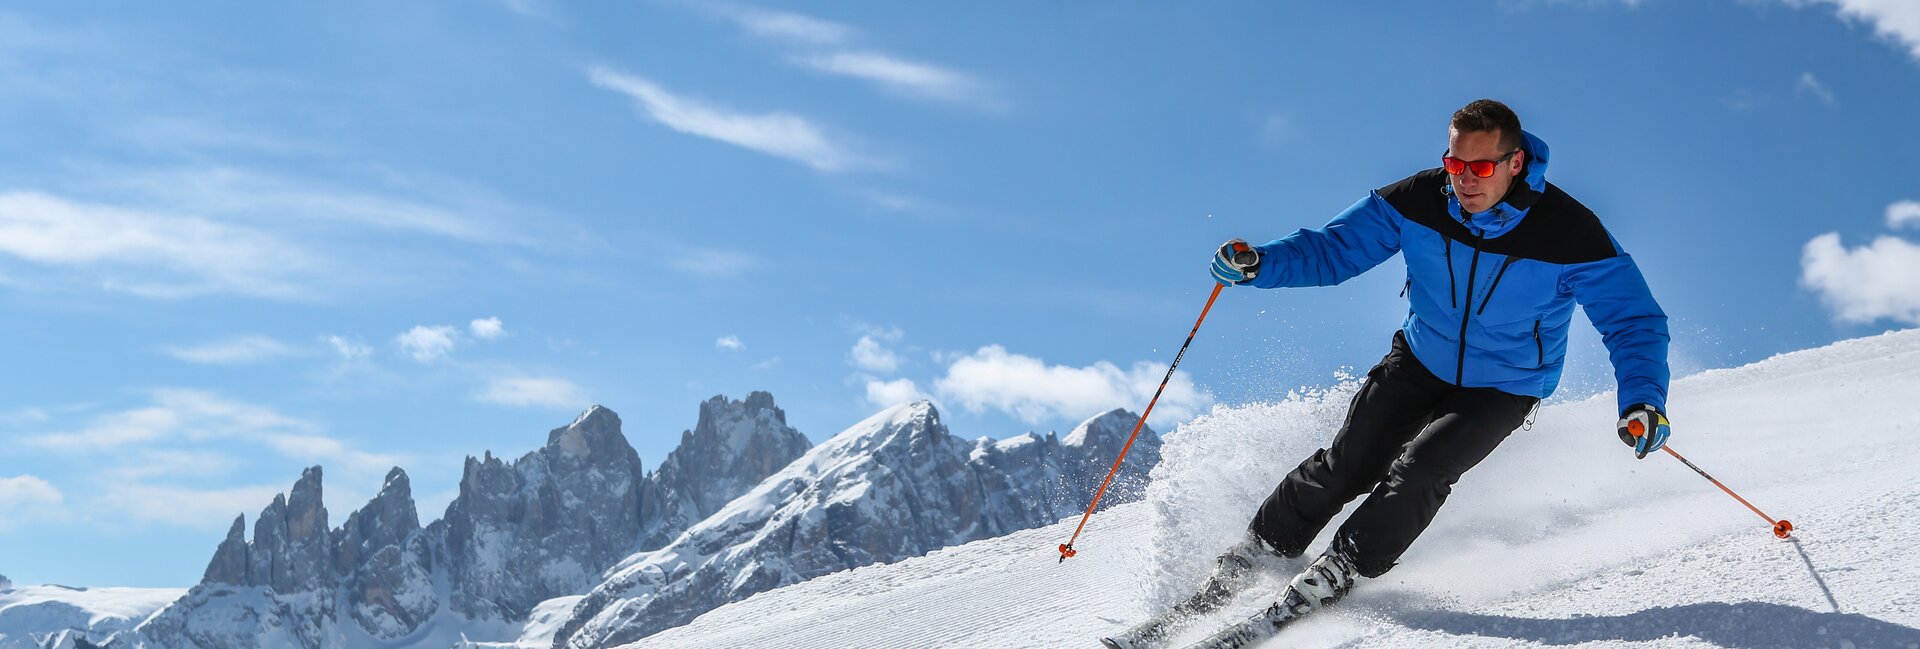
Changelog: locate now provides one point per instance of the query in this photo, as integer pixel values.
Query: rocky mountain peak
(595, 431)
(732, 446)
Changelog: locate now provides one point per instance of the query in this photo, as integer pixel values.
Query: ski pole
(1066, 549)
(1781, 528)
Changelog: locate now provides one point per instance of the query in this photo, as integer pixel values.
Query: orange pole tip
(1783, 529)
(1067, 551)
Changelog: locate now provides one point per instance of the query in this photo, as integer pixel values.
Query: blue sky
(237, 240)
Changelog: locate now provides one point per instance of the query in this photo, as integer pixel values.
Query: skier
(1497, 258)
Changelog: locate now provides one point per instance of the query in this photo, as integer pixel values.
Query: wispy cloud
(186, 420)
(778, 134)
(1810, 85)
(898, 75)
(1868, 283)
(785, 26)
(348, 349)
(182, 506)
(236, 351)
(729, 343)
(152, 254)
(242, 194)
(24, 498)
(533, 391)
(1035, 392)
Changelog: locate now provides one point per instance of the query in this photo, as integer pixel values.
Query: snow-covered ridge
(892, 486)
(1560, 539)
(36, 616)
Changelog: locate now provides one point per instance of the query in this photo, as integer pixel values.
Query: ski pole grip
(1244, 255)
(1635, 428)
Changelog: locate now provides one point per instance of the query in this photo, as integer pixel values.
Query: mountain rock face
(894, 486)
(543, 526)
(734, 446)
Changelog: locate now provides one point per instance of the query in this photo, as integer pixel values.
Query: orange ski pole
(1066, 549)
(1781, 528)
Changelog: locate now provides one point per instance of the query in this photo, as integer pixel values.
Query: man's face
(1478, 194)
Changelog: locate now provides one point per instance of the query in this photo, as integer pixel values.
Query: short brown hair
(1488, 115)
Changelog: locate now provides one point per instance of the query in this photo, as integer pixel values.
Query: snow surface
(1560, 538)
(30, 610)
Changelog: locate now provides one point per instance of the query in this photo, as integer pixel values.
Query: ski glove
(1644, 429)
(1236, 263)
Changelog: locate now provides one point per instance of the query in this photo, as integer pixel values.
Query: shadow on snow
(1747, 624)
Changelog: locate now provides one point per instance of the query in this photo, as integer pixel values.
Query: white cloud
(23, 497)
(242, 350)
(1903, 214)
(788, 26)
(890, 393)
(531, 391)
(487, 328)
(898, 75)
(870, 355)
(348, 349)
(1880, 280)
(731, 343)
(1035, 392)
(427, 344)
(150, 254)
(1895, 20)
(1811, 85)
(777, 134)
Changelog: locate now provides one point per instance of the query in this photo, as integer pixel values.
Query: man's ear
(1519, 162)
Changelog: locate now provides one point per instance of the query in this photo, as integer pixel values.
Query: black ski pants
(1409, 435)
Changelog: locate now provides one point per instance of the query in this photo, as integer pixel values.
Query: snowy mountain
(541, 527)
(1560, 538)
(61, 617)
(894, 486)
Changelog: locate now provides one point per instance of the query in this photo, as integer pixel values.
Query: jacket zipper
(1540, 353)
(1460, 367)
(1496, 284)
(1452, 302)
(1404, 289)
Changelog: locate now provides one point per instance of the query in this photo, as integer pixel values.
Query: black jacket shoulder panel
(1422, 198)
(1557, 228)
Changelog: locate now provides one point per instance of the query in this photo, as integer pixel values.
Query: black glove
(1236, 263)
(1644, 429)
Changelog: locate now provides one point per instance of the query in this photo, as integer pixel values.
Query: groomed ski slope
(1560, 539)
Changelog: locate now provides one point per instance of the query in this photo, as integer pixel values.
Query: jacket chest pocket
(1516, 290)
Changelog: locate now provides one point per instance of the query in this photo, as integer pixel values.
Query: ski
(1261, 626)
(1215, 593)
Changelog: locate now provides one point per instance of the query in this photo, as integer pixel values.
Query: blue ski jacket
(1492, 293)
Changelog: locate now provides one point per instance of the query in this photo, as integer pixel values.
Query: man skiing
(1497, 258)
